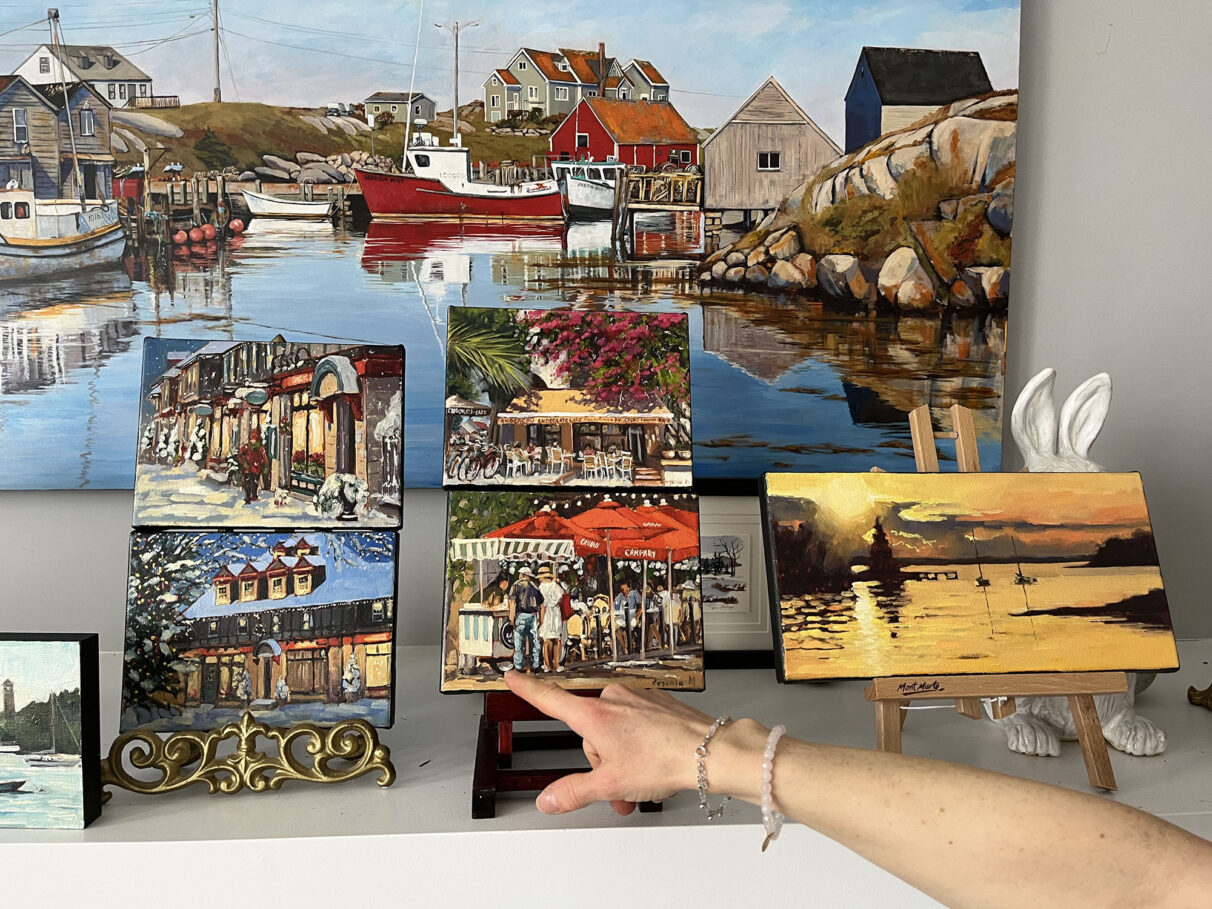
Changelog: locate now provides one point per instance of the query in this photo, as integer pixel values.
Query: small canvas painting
(269, 434)
(49, 770)
(882, 574)
(567, 398)
(583, 588)
(293, 627)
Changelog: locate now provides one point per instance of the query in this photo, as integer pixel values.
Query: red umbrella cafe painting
(583, 588)
(543, 398)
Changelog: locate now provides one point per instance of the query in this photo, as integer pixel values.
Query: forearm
(968, 836)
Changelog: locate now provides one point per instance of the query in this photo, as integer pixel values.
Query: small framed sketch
(736, 614)
(50, 772)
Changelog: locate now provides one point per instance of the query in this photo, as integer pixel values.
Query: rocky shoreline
(309, 167)
(953, 254)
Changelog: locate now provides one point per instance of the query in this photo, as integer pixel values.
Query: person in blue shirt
(527, 601)
(628, 614)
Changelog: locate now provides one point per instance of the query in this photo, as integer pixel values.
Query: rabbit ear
(1082, 417)
(1033, 420)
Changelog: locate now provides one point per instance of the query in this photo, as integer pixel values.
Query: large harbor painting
(881, 574)
(827, 199)
(49, 731)
(293, 627)
(586, 588)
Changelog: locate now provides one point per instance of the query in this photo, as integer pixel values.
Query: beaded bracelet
(772, 820)
(700, 755)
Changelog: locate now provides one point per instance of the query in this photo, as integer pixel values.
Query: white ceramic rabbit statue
(1049, 445)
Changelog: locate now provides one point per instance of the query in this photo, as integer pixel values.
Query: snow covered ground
(377, 711)
(186, 495)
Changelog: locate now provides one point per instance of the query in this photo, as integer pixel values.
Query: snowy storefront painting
(269, 433)
(292, 627)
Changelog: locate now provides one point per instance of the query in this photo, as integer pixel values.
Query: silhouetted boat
(11, 785)
(981, 580)
(1019, 577)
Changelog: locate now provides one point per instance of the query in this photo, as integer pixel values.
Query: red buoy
(180, 237)
(236, 226)
(196, 235)
(208, 231)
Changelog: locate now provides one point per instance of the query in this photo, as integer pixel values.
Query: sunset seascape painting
(880, 574)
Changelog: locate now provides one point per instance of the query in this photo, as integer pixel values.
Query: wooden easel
(892, 695)
(496, 746)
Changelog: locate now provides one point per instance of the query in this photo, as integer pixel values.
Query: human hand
(640, 744)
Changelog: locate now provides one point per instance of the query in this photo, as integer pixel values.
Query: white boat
(587, 187)
(9, 748)
(41, 237)
(274, 207)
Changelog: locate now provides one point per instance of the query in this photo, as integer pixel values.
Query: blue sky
(39, 667)
(714, 57)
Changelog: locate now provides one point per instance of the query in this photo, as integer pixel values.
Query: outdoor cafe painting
(583, 588)
(567, 398)
(269, 434)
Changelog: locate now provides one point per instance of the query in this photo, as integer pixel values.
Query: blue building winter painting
(292, 627)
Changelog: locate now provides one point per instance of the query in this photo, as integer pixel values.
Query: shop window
(307, 620)
(377, 611)
(242, 625)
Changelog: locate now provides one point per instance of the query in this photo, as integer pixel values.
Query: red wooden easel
(498, 741)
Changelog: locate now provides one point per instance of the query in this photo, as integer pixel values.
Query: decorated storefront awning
(557, 406)
(505, 548)
(460, 406)
(334, 375)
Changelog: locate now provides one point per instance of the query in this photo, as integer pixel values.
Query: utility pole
(215, 14)
(455, 28)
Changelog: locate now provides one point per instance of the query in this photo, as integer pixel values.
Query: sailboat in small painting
(1019, 577)
(52, 758)
(981, 580)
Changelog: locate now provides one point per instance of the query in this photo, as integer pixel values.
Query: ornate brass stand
(1200, 698)
(185, 758)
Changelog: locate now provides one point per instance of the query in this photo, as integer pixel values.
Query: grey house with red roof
(894, 87)
(555, 82)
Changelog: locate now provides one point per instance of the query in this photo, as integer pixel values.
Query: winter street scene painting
(49, 775)
(247, 433)
(824, 190)
(586, 588)
(294, 628)
(567, 398)
(883, 574)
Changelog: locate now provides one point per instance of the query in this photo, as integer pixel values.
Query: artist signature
(916, 686)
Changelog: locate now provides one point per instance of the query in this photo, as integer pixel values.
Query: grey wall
(1110, 252)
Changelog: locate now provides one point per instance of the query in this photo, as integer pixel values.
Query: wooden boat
(587, 188)
(274, 207)
(41, 237)
(437, 184)
(11, 785)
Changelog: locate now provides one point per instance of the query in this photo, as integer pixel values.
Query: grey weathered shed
(762, 152)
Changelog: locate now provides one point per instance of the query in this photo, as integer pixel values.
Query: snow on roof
(210, 349)
(363, 580)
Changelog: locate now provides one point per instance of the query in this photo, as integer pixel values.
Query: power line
(329, 33)
(322, 50)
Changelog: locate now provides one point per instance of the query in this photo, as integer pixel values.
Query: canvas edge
(772, 582)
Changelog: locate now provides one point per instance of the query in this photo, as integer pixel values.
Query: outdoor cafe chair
(627, 467)
(513, 462)
(554, 461)
(591, 468)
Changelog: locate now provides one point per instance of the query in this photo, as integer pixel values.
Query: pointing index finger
(550, 698)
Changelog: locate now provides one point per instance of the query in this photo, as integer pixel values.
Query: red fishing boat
(437, 184)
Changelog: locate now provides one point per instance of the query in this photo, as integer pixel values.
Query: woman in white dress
(551, 628)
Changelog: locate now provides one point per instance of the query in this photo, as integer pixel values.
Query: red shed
(651, 133)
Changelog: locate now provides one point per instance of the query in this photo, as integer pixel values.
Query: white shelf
(414, 824)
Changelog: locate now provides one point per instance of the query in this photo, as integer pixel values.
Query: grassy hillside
(252, 130)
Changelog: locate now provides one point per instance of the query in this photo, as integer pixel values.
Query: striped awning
(503, 548)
